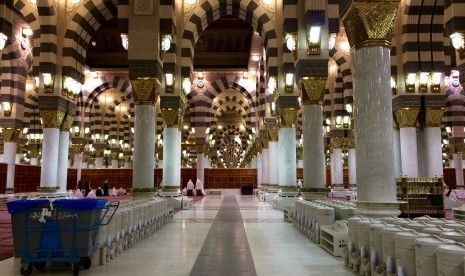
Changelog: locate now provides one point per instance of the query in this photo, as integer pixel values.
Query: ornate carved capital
(337, 142)
(434, 117)
(370, 23)
(114, 155)
(52, 118)
(350, 142)
(98, 152)
(299, 153)
(407, 117)
(78, 148)
(67, 123)
(11, 134)
(200, 148)
(172, 117)
(34, 152)
(313, 90)
(144, 90)
(458, 148)
(287, 117)
(273, 134)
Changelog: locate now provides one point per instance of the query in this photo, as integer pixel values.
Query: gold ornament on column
(337, 142)
(11, 134)
(273, 134)
(313, 90)
(98, 152)
(78, 148)
(144, 90)
(52, 118)
(350, 141)
(114, 155)
(67, 123)
(370, 23)
(200, 148)
(407, 117)
(172, 117)
(434, 117)
(287, 117)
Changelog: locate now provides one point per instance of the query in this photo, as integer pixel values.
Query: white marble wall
(434, 151)
(397, 155)
(337, 172)
(273, 163)
(171, 153)
(352, 166)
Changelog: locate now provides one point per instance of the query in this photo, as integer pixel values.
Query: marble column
(99, 162)
(34, 161)
(265, 165)
(18, 157)
(144, 132)
(171, 169)
(78, 160)
(287, 157)
(433, 142)
(273, 157)
(200, 166)
(63, 149)
(376, 185)
(352, 161)
(312, 138)
(407, 118)
(458, 165)
(10, 136)
(52, 120)
(396, 147)
(259, 169)
(144, 147)
(337, 169)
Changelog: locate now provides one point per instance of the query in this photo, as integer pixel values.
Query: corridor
(220, 235)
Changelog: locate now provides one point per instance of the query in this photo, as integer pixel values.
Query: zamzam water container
(376, 242)
(437, 230)
(425, 254)
(405, 251)
(418, 226)
(450, 259)
(455, 235)
(363, 228)
(353, 231)
(389, 248)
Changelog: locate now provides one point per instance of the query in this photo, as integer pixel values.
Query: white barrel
(117, 219)
(425, 254)
(376, 242)
(418, 226)
(363, 228)
(347, 212)
(455, 235)
(450, 259)
(437, 230)
(388, 239)
(326, 216)
(353, 231)
(405, 251)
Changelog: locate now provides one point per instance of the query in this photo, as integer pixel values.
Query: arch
(251, 12)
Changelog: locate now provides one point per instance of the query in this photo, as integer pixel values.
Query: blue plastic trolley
(63, 230)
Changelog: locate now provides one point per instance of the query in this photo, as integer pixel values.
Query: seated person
(91, 194)
(190, 188)
(99, 192)
(78, 194)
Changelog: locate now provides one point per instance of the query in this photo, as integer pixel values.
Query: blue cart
(63, 230)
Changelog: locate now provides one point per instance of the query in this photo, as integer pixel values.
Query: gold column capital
(287, 117)
(200, 148)
(434, 117)
(272, 134)
(34, 152)
(350, 142)
(98, 152)
(370, 23)
(337, 142)
(407, 117)
(172, 117)
(11, 134)
(313, 90)
(458, 147)
(52, 118)
(114, 155)
(67, 123)
(144, 90)
(78, 148)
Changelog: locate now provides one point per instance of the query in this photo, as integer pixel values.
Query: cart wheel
(26, 272)
(76, 269)
(86, 262)
(40, 265)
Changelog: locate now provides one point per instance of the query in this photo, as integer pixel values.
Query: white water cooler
(450, 258)
(405, 252)
(425, 254)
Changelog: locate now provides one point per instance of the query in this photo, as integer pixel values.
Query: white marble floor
(277, 247)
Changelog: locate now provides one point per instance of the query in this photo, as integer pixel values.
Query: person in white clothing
(190, 188)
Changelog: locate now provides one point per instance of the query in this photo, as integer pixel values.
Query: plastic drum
(405, 251)
(425, 254)
(456, 235)
(353, 231)
(388, 238)
(450, 259)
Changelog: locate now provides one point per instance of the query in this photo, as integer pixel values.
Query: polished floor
(220, 235)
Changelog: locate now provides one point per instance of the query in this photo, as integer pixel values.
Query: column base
(170, 191)
(375, 210)
(271, 188)
(288, 191)
(282, 203)
(9, 191)
(41, 189)
(4, 198)
(142, 190)
(314, 193)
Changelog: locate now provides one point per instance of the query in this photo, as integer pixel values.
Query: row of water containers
(132, 221)
(310, 215)
(423, 246)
